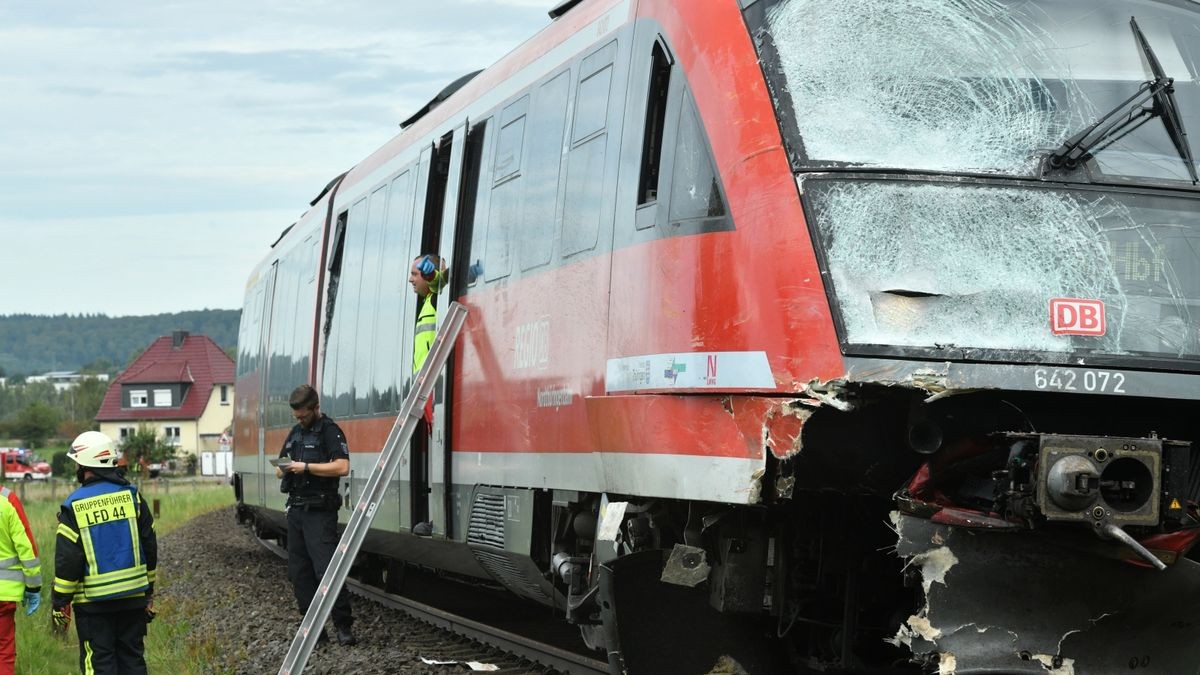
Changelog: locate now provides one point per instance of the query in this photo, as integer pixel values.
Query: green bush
(60, 466)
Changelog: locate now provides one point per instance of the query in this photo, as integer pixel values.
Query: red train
(855, 336)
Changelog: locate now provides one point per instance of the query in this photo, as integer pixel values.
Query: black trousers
(112, 642)
(312, 537)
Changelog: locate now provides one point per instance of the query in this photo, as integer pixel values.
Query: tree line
(33, 413)
(33, 344)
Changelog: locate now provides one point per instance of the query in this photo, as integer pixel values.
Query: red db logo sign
(1072, 316)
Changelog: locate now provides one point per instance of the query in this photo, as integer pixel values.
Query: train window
(345, 319)
(393, 287)
(477, 201)
(547, 124)
(368, 292)
(512, 134)
(656, 116)
(335, 270)
(591, 102)
(585, 162)
(277, 328)
(305, 306)
(248, 335)
(585, 185)
(695, 192)
(505, 212)
(314, 243)
(290, 334)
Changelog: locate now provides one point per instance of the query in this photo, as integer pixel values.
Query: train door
(430, 467)
(441, 498)
(427, 199)
(264, 335)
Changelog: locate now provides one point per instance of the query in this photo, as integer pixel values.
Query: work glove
(33, 600)
(426, 268)
(60, 620)
(150, 613)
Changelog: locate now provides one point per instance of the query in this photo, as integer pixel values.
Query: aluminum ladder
(364, 511)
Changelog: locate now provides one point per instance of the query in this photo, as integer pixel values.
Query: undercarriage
(979, 532)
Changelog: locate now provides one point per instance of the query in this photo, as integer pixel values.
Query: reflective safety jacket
(426, 323)
(107, 550)
(20, 568)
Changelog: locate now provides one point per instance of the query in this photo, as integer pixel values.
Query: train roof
(444, 109)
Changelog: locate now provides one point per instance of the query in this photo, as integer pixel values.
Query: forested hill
(32, 344)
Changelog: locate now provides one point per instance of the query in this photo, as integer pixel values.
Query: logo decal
(1074, 316)
(673, 370)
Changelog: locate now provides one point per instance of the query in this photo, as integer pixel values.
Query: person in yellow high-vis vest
(105, 561)
(20, 574)
(427, 277)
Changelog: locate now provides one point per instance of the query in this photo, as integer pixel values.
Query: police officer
(318, 456)
(105, 561)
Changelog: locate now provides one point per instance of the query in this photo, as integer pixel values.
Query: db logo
(1072, 316)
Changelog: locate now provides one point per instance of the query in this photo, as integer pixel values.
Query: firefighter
(21, 576)
(106, 561)
(319, 456)
(427, 277)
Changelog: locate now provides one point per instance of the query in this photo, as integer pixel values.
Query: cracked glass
(946, 264)
(980, 86)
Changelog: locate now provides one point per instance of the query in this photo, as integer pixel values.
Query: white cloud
(135, 130)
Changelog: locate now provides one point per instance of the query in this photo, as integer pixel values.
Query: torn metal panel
(686, 566)
(754, 493)
(1023, 604)
(930, 377)
(783, 427)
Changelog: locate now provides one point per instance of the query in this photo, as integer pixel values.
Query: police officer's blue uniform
(312, 506)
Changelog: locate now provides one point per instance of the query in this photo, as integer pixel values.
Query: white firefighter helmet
(94, 450)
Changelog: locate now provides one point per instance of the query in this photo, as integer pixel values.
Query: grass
(170, 645)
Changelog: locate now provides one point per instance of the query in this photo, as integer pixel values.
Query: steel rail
(562, 660)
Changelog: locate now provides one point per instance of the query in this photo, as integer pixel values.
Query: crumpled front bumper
(1011, 602)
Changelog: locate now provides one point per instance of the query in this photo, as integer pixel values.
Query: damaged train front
(1003, 199)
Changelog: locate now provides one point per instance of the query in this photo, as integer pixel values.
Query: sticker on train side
(690, 370)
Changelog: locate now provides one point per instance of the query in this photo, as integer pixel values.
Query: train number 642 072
(1065, 379)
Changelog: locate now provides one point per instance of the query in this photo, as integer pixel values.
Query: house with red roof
(181, 386)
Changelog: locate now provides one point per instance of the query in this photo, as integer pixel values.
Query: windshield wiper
(1128, 116)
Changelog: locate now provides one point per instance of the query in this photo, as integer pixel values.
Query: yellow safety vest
(106, 528)
(426, 323)
(20, 567)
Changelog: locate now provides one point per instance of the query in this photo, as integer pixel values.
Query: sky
(152, 150)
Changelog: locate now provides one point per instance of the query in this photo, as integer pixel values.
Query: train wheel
(655, 627)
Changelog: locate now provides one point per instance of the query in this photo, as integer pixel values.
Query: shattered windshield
(982, 86)
(941, 265)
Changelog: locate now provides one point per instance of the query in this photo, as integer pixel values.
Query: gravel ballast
(232, 590)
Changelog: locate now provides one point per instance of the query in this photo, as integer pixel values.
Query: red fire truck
(21, 463)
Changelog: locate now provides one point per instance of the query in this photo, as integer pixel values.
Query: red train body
(767, 333)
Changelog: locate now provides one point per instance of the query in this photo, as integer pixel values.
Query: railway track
(518, 644)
